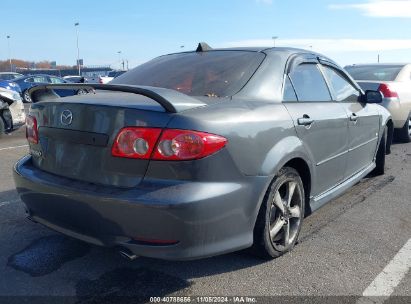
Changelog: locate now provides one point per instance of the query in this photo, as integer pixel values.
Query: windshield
(374, 72)
(213, 73)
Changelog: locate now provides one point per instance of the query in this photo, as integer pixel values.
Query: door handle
(353, 117)
(305, 120)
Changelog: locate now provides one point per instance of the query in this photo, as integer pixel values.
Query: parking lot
(345, 247)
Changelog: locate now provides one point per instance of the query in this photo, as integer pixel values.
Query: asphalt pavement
(348, 248)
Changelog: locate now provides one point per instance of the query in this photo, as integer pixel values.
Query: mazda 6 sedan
(201, 153)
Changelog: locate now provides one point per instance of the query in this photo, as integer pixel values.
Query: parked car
(29, 81)
(394, 82)
(111, 75)
(201, 153)
(9, 85)
(12, 114)
(10, 75)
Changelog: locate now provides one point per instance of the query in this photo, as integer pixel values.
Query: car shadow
(109, 276)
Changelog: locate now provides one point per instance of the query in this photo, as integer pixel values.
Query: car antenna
(203, 47)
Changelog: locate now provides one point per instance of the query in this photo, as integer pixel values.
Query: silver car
(394, 82)
(12, 114)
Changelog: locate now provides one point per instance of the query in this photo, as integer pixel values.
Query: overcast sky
(351, 31)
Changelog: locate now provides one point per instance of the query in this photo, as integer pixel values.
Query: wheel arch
(301, 166)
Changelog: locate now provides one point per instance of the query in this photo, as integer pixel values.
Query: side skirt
(323, 198)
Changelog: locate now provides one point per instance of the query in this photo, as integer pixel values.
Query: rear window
(213, 73)
(374, 72)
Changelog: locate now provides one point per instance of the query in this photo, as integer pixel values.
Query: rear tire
(2, 127)
(380, 158)
(281, 215)
(404, 134)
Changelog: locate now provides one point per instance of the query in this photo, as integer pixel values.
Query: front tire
(381, 152)
(281, 215)
(82, 92)
(26, 96)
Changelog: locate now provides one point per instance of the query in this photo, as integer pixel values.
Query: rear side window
(343, 90)
(56, 80)
(374, 72)
(212, 73)
(38, 79)
(309, 84)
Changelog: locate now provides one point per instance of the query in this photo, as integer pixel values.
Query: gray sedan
(201, 153)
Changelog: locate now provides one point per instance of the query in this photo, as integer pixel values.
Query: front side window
(309, 84)
(39, 79)
(343, 90)
(212, 73)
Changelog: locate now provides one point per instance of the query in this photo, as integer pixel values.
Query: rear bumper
(203, 218)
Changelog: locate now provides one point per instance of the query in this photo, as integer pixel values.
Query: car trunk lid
(76, 135)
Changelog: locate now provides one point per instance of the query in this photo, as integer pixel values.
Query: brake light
(134, 142)
(386, 90)
(32, 133)
(144, 143)
(100, 80)
(186, 145)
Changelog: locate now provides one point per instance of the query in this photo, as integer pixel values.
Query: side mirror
(372, 97)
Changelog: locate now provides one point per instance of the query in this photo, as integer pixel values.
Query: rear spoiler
(172, 101)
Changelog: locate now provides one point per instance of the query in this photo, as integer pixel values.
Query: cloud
(268, 2)
(380, 8)
(329, 45)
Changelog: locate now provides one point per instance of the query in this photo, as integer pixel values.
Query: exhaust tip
(125, 253)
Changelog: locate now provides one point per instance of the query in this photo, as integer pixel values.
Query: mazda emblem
(66, 117)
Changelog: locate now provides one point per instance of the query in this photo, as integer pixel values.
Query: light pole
(8, 45)
(119, 59)
(274, 38)
(78, 49)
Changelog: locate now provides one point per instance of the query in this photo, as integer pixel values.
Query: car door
(321, 124)
(364, 120)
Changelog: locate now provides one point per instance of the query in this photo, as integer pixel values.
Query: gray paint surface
(210, 205)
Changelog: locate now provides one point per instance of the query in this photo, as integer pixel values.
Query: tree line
(18, 63)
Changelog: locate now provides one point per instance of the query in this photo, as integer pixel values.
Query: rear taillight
(134, 142)
(144, 143)
(32, 133)
(100, 80)
(186, 145)
(387, 91)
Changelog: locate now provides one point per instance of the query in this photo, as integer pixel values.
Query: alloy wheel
(27, 97)
(286, 214)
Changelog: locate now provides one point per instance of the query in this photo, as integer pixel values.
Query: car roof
(377, 64)
(283, 51)
(255, 49)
